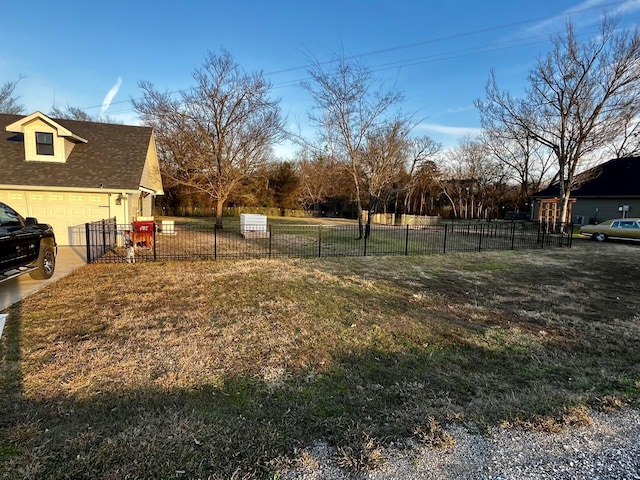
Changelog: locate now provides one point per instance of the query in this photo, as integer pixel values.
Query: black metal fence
(188, 241)
(101, 237)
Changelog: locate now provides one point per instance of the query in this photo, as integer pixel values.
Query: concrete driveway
(14, 290)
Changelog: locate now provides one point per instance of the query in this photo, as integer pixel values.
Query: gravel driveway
(607, 449)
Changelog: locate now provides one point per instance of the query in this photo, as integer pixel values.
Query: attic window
(44, 143)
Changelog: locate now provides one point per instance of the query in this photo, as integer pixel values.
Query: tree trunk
(453, 205)
(371, 210)
(565, 195)
(360, 221)
(564, 212)
(219, 210)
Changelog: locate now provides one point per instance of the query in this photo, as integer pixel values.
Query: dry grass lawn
(228, 369)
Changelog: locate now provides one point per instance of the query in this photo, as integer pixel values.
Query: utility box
(253, 225)
(167, 227)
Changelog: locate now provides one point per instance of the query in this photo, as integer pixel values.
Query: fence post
(215, 242)
(88, 240)
(270, 235)
(538, 234)
(480, 237)
(365, 243)
(570, 242)
(155, 257)
(319, 241)
(444, 246)
(104, 237)
(513, 235)
(406, 243)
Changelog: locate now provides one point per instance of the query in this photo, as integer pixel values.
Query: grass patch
(228, 369)
(433, 435)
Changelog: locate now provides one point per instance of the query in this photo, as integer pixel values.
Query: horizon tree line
(215, 140)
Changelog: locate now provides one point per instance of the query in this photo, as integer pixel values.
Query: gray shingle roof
(619, 177)
(114, 156)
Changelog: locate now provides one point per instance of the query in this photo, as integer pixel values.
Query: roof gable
(44, 140)
(22, 124)
(112, 156)
(619, 177)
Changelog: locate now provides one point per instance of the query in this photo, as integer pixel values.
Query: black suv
(26, 246)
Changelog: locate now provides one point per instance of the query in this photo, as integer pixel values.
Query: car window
(627, 224)
(8, 218)
(615, 224)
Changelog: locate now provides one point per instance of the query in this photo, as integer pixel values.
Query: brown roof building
(67, 173)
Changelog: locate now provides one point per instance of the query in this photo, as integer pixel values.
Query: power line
(415, 61)
(451, 37)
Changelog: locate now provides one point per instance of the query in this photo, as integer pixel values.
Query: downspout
(126, 208)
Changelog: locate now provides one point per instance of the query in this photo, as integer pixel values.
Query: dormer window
(45, 140)
(44, 143)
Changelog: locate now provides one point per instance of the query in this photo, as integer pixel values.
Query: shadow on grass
(251, 426)
(504, 364)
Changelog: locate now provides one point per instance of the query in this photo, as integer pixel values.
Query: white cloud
(466, 108)
(448, 130)
(585, 13)
(628, 6)
(106, 103)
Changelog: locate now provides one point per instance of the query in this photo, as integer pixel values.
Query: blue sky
(92, 55)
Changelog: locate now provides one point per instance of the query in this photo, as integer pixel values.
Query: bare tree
(218, 133)
(421, 151)
(313, 184)
(526, 161)
(322, 181)
(576, 100)
(349, 106)
(70, 113)
(75, 113)
(9, 102)
(472, 177)
(426, 189)
(382, 159)
(627, 144)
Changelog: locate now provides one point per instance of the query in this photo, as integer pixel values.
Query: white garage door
(66, 212)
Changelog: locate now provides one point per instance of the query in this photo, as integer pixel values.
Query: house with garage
(68, 173)
(609, 190)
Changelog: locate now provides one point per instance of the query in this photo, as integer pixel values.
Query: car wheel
(46, 264)
(600, 237)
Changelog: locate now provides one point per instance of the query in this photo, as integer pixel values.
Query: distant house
(610, 190)
(67, 172)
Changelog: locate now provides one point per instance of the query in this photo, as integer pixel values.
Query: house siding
(151, 177)
(590, 210)
(104, 176)
(606, 188)
(600, 209)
